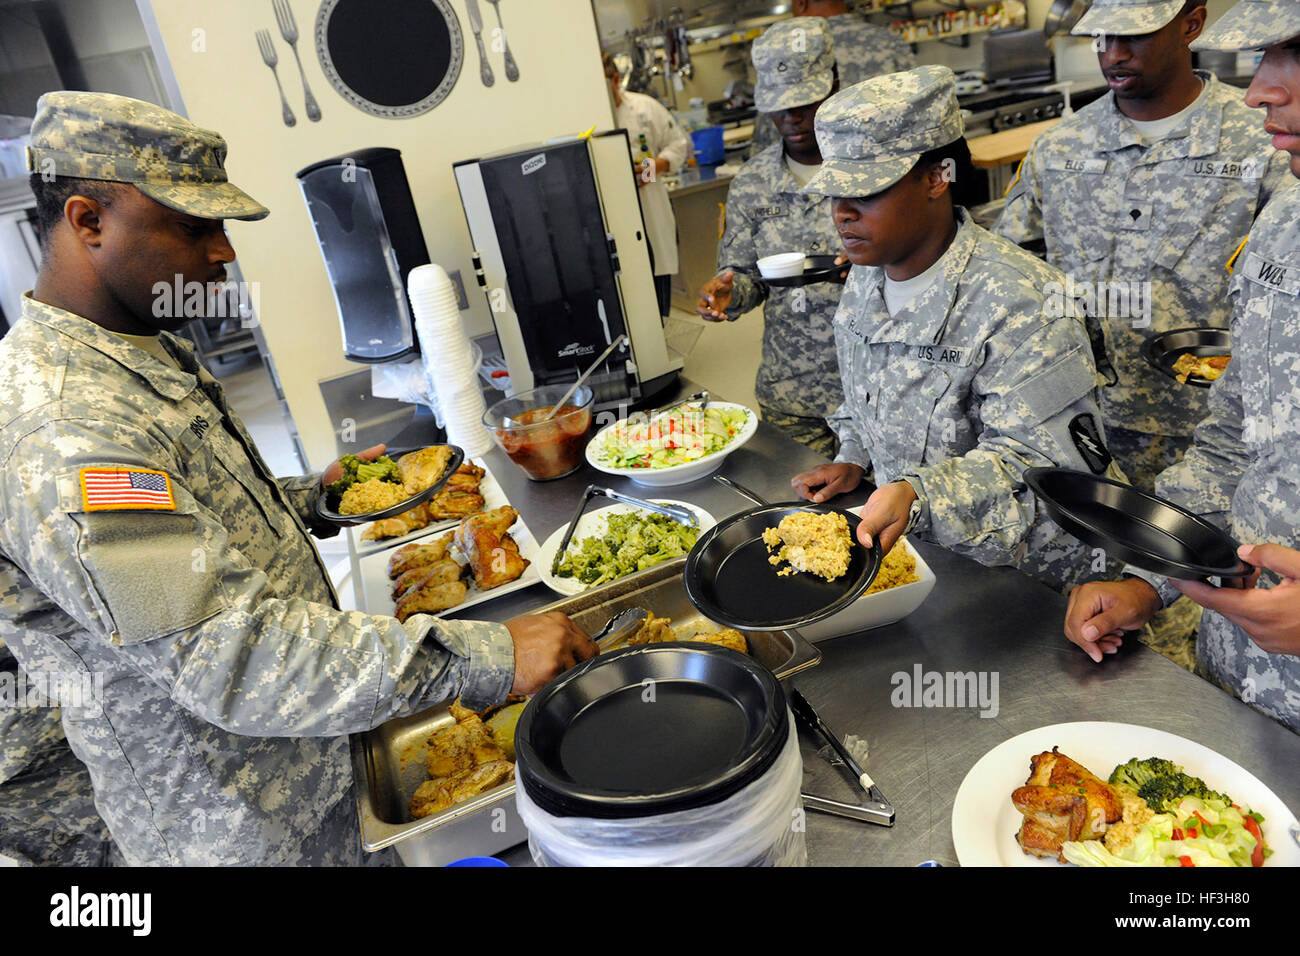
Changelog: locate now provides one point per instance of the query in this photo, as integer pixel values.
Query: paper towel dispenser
(369, 234)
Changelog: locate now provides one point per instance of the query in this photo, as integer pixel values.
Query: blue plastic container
(479, 861)
(709, 150)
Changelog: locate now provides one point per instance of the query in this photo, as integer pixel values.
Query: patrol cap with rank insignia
(872, 134)
(1252, 25)
(117, 139)
(1126, 18)
(794, 64)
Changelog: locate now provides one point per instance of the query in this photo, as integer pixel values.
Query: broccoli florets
(1162, 783)
(354, 470)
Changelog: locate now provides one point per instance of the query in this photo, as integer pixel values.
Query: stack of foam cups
(449, 370)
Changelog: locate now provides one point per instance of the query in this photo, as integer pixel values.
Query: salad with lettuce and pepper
(676, 437)
(1173, 819)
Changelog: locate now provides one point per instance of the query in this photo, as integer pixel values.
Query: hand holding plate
(885, 515)
(1271, 616)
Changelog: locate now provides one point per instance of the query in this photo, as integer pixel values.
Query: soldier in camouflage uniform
(862, 50)
(145, 545)
(1243, 468)
(47, 805)
(798, 382)
(1156, 182)
(956, 377)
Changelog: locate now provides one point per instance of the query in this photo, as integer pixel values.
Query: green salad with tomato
(676, 437)
(1177, 821)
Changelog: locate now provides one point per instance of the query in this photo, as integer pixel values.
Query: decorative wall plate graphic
(390, 58)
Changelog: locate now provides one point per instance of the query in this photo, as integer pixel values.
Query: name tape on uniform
(116, 489)
(1092, 167)
(1274, 275)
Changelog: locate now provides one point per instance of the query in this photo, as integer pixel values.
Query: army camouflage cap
(118, 139)
(873, 133)
(1126, 18)
(1252, 25)
(794, 64)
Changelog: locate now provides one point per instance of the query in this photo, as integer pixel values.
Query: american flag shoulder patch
(108, 489)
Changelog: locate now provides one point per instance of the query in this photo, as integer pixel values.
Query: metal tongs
(701, 396)
(879, 809)
(676, 512)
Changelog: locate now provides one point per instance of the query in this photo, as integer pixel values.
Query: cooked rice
(812, 541)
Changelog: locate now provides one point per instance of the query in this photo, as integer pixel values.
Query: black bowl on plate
(1162, 351)
(1134, 527)
(324, 510)
(590, 743)
(730, 579)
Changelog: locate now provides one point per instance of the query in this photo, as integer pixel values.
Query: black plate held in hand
(815, 269)
(730, 580)
(324, 510)
(651, 729)
(1134, 527)
(1162, 351)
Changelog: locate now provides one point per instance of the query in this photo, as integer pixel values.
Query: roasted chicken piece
(417, 553)
(398, 525)
(422, 468)
(727, 637)
(431, 599)
(465, 478)
(1061, 802)
(463, 760)
(440, 572)
(455, 504)
(482, 540)
(654, 630)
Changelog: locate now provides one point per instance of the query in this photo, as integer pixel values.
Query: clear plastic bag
(759, 825)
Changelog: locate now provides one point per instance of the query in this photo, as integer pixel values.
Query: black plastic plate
(815, 269)
(1162, 351)
(1134, 527)
(650, 729)
(730, 580)
(457, 459)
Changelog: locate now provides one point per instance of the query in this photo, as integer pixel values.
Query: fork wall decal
(289, 30)
(269, 57)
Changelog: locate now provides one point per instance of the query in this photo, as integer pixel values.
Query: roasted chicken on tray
(463, 760)
(1062, 801)
(493, 556)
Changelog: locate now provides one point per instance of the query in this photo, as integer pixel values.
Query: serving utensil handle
(684, 515)
(573, 524)
(740, 489)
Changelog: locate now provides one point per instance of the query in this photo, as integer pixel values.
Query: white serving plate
(985, 822)
(674, 474)
(377, 587)
(489, 488)
(879, 609)
(593, 524)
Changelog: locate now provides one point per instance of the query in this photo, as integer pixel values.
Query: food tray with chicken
(483, 556)
(392, 762)
(472, 488)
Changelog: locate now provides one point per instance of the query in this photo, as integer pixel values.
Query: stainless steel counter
(976, 619)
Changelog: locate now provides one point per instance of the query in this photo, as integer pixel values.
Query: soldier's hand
(884, 516)
(1271, 616)
(826, 481)
(715, 297)
(335, 471)
(1101, 611)
(546, 645)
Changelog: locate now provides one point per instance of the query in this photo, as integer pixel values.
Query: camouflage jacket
(1243, 468)
(862, 50)
(24, 731)
(766, 215)
(964, 389)
(1113, 210)
(229, 676)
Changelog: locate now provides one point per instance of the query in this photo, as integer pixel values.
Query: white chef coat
(639, 114)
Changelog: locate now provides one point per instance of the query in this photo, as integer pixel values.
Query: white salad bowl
(673, 474)
(781, 266)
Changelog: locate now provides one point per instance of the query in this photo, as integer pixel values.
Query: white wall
(226, 87)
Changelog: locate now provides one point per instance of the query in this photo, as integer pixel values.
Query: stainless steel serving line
(995, 621)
